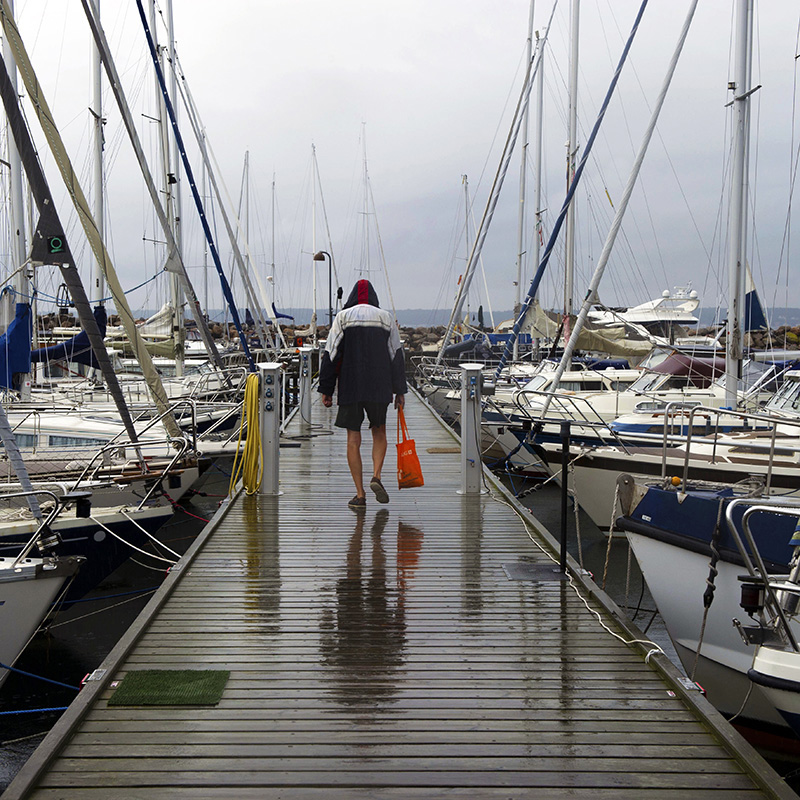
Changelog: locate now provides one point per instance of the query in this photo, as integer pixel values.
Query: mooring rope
(708, 594)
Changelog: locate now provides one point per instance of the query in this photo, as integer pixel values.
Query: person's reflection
(363, 637)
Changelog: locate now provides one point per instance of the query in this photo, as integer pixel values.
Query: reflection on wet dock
(411, 650)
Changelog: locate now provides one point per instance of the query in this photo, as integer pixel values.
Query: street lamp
(320, 256)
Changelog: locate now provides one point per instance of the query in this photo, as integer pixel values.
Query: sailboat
(686, 534)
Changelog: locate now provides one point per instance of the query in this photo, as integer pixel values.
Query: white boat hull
(776, 674)
(677, 579)
(26, 593)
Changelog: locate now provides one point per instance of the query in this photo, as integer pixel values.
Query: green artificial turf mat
(171, 687)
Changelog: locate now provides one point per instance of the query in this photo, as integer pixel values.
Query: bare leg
(378, 450)
(354, 460)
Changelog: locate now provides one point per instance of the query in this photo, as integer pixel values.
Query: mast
(314, 244)
(365, 212)
(175, 179)
(271, 277)
(736, 226)
(572, 158)
(247, 206)
(272, 224)
(537, 244)
(203, 182)
(523, 173)
(19, 248)
(98, 283)
(466, 223)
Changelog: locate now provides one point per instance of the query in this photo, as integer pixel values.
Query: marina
(422, 648)
(591, 585)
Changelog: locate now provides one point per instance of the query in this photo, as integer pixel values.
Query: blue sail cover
(754, 317)
(278, 314)
(77, 349)
(15, 345)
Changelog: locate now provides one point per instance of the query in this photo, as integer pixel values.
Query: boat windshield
(787, 398)
(537, 384)
(648, 382)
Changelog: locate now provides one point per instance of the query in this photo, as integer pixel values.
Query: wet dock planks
(388, 654)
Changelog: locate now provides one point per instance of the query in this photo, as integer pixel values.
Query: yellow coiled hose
(249, 462)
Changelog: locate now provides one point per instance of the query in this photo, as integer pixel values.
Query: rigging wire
(571, 192)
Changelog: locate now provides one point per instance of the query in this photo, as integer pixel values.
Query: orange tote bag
(409, 472)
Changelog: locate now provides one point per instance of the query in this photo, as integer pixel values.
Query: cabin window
(75, 441)
(26, 439)
(580, 386)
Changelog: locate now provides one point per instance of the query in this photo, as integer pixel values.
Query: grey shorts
(352, 415)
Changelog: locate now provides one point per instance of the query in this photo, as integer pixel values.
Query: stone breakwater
(413, 338)
(786, 337)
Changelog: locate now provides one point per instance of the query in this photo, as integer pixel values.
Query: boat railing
(36, 416)
(229, 381)
(234, 410)
(176, 409)
(575, 409)
(439, 376)
(157, 475)
(43, 537)
(718, 441)
(777, 589)
(181, 447)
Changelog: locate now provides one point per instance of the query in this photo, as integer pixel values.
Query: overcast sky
(429, 87)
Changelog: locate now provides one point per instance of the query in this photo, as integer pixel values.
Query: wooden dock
(420, 649)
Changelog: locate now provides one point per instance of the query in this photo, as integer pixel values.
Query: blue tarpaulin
(77, 349)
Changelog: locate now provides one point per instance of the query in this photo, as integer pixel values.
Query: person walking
(363, 359)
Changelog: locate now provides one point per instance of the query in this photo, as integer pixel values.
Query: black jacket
(363, 355)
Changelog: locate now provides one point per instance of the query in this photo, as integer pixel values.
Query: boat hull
(724, 659)
(26, 593)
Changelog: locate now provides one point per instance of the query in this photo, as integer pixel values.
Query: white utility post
(305, 388)
(270, 424)
(471, 467)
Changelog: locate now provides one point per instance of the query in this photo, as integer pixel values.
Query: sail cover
(77, 349)
(15, 346)
(754, 317)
